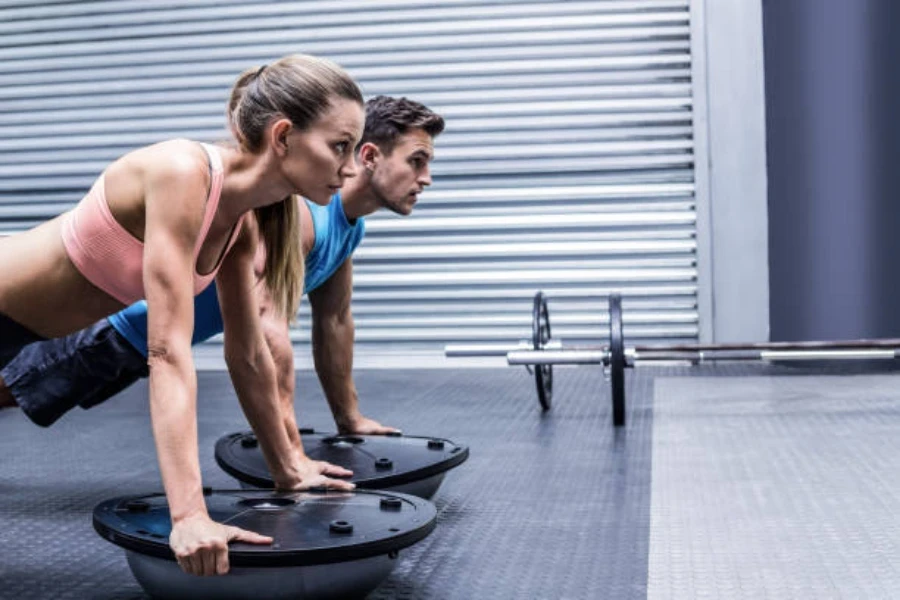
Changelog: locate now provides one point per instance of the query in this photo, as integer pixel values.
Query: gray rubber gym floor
(727, 482)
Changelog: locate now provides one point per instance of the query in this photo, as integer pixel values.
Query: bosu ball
(328, 544)
(396, 463)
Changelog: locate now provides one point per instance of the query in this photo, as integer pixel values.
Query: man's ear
(278, 136)
(369, 155)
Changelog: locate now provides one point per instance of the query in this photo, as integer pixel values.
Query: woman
(161, 223)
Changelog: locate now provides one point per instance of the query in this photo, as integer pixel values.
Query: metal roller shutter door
(567, 164)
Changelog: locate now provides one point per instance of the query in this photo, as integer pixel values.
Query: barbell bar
(542, 352)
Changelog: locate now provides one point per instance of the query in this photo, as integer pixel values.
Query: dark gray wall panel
(832, 91)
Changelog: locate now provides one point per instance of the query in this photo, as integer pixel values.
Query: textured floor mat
(776, 487)
(548, 506)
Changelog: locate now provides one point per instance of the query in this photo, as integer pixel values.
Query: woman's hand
(200, 544)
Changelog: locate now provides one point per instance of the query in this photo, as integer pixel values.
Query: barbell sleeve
(556, 357)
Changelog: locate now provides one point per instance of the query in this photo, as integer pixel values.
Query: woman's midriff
(42, 290)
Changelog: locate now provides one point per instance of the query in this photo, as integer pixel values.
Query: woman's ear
(278, 135)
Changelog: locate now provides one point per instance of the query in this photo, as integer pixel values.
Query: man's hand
(364, 426)
(200, 544)
(317, 473)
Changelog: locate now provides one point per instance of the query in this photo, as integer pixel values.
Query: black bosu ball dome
(398, 463)
(328, 544)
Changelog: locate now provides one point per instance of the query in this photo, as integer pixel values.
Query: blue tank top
(335, 241)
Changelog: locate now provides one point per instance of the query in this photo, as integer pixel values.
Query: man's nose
(425, 178)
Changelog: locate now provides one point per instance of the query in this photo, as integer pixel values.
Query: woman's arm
(278, 338)
(253, 372)
(174, 214)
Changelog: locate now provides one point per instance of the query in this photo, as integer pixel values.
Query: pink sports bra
(111, 258)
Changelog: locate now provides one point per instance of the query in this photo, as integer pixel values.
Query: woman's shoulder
(177, 158)
(172, 168)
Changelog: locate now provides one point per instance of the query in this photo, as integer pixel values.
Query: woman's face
(320, 158)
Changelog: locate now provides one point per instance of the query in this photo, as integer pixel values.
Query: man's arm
(253, 372)
(332, 343)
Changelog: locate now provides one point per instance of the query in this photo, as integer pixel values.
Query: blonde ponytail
(284, 271)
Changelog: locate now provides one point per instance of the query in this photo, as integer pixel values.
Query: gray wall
(832, 95)
(731, 170)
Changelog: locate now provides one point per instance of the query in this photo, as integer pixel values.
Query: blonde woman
(162, 223)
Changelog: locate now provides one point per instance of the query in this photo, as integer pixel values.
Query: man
(49, 378)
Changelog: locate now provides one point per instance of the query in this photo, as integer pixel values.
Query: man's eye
(341, 147)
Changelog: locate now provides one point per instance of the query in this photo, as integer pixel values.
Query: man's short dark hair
(388, 118)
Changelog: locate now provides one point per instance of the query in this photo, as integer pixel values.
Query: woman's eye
(341, 147)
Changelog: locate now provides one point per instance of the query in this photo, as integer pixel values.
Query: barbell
(542, 352)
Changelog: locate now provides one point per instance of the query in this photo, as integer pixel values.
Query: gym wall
(832, 91)
(569, 163)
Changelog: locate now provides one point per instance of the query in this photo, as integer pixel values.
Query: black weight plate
(617, 359)
(540, 335)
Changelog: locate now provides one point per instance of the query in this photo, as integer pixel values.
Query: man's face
(399, 178)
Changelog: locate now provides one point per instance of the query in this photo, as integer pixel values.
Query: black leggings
(13, 337)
